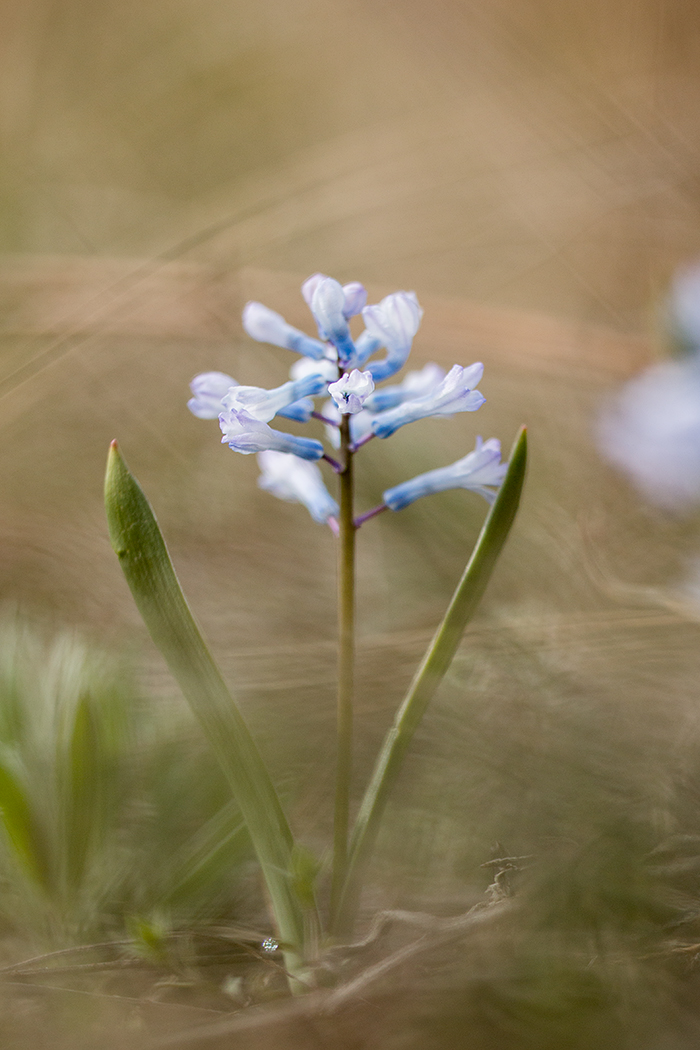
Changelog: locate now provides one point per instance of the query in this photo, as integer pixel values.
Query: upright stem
(346, 654)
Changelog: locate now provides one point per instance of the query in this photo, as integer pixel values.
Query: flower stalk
(346, 665)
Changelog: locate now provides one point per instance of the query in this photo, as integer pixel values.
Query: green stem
(346, 660)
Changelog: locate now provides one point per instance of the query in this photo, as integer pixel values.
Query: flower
(455, 393)
(264, 404)
(209, 389)
(328, 308)
(416, 384)
(365, 346)
(351, 390)
(300, 410)
(266, 326)
(304, 366)
(479, 471)
(651, 430)
(244, 433)
(354, 294)
(355, 298)
(298, 481)
(393, 322)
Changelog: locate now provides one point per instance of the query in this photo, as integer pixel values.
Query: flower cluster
(346, 369)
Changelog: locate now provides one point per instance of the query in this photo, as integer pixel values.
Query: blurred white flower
(304, 366)
(209, 390)
(297, 481)
(651, 430)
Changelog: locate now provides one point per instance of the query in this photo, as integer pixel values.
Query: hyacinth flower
(244, 433)
(328, 305)
(456, 393)
(354, 294)
(479, 471)
(210, 390)
(331, 368)
(416, 384)
(297, 481)
(266, 326)
(392, 323)
(351, 391)
(266, 404)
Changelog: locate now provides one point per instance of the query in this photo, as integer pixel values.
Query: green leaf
(432, 670)
(18, 818)
(144, 559)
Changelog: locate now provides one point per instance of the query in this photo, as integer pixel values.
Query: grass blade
(19, 820)
(139, 545)
(432, 670)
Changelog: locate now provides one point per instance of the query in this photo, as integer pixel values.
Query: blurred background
(532, 171)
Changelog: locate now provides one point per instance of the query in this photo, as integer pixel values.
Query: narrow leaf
(144, 559)
(432, 670)
(19, 820)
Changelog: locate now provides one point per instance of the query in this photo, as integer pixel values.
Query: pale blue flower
(328, 308)
(209, 390)
(416, 384)
(455, 393)
(297, 481)
(480, 471)
(264, 404)
(355, 298)
(394, 322)
(266, 326)
(304, 366)
(366, 345)
(244, 433)
(300, 410)
(354, 294)
(351, 390)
